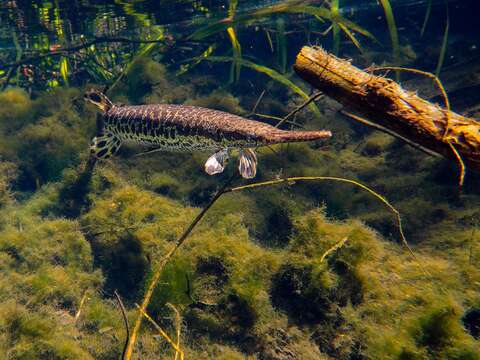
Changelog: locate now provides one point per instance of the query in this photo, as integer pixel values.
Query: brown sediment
(386, 103)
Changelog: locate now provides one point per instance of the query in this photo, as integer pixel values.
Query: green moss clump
(149, 82)
(440, 327)
(8, 173)
(48, 148)
(219, 100)
(16, 109)
(300, 293)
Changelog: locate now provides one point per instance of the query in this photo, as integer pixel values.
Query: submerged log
(385, 103)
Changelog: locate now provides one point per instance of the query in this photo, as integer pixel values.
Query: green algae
(250, 280)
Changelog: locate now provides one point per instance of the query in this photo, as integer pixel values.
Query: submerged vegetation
(300, 270)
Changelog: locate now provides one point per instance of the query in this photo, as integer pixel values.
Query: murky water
(307, 259)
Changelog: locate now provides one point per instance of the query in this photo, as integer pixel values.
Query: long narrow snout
(297, 136)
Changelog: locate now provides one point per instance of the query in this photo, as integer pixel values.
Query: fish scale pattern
(187, 128)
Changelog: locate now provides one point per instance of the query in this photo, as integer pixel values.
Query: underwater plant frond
(289, 7)
(334, 8)
(392, 28)
(184, 68)
(443, 49)
(236, 47)
(269, 72)
(427, 17)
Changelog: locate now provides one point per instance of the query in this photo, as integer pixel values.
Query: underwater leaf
(64, 69)
(209, 30)
(237, 55)
(335, 9)
(272, 74)
(427, 17)
(142, 52)
(392, 28)
(326, 14)
(147, 48)
(232, 7)
(351, 36)
(443, 50)
(187, 67)
(236, 48)
(285, 8)
(281, 45)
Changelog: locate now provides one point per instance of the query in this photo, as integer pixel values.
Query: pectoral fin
(216, 163)
(248, 163)
(105, 145)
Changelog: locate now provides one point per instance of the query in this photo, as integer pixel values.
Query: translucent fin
(248, 163)
(105, 145)
(216, 163)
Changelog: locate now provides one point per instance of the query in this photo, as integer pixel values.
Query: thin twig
(80, 307)
(254, 110)
(461, 164)
(389, 132)
(224, 190)
(178, 325)
(312, 98)
(335, 247)
(125, 320)
(160, 330)
(279, 119)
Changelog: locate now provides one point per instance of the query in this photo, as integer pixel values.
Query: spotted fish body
(192, 128)
(185, 128)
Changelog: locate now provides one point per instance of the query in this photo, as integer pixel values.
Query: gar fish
(185, 128)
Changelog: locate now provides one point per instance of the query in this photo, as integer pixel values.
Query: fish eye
(95, 97)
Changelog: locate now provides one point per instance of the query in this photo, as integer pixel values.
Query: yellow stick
(334, 248)
(161, 331)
